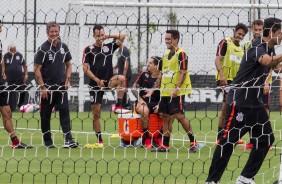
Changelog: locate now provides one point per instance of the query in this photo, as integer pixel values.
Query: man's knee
(96, 109)
(166, 117)
(142, 109)
(6, 113)
(179, 116)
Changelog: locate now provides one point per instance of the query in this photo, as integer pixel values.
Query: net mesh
(201, 30)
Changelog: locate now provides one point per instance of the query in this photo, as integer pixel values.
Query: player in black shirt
(98, 66)
(123, 67)
(16, 76)
(52, 68)
(245, 108)
(148, 105)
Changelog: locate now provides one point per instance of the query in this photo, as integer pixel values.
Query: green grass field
(114, 164)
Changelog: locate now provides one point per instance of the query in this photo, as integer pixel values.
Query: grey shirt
(53, 60)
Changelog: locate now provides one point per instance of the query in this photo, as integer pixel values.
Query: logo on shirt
(106, 49)
(18, 58)
(50, 56)
(240, 117)
(62, 51)
(91, 98)
(8, 61)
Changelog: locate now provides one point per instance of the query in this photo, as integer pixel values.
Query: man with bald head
(16, 76)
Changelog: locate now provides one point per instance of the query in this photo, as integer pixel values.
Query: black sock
(119, 102)
(99, 136)
(161, 133)
(14, 138)
(166, 140)
(192, 138)
(146, 133)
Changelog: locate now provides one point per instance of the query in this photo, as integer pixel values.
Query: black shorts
(3, 95)
(97, 93)
(171, 106)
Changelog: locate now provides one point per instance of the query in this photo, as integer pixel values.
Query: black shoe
(49, 144)
(22, 145)
(70, 144)
(193, 149)
(160, 149)
(128, 107)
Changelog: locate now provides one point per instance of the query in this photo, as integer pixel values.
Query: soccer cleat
(157, 141)
(50, 146)
(147, 143)
(95, 145)
(244, 180)
(248, 146)
(241, 141)
(100, 144)
(120, 110)
(124, 144)
(20, 145)
(162, 148)
(70, 144)
(193, 147)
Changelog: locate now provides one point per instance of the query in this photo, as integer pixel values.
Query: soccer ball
(28, 108)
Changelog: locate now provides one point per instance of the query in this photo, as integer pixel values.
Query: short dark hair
(156, 59)
(174, 33)
(257, 22)
(272, 24)
(51, 24)
(97, 27)
(241, 26)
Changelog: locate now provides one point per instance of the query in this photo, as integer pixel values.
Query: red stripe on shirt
(183, 61)
(83, 55)
(138, 78)
(220, 47)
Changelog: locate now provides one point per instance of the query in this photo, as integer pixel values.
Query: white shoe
(120, 110)
(211, 182)
(244, 180)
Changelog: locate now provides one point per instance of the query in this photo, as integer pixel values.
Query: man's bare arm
(38, 76)
(270, 61)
